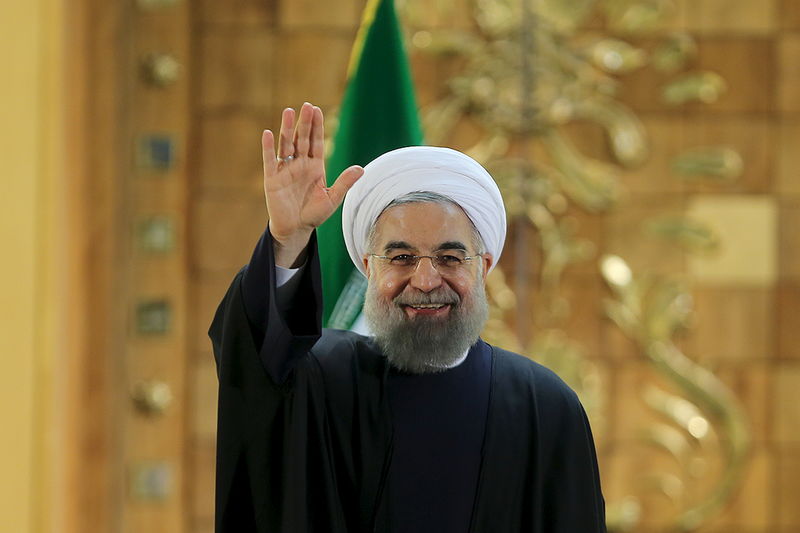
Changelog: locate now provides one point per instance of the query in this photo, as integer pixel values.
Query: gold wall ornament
(564, 16)
(705, 87)
(153, 317)
(637, 16)
(152, 481)
(592, 184)
(626, 134)
(651, 311)
(675, 52)
(152, 397)
(503, 301)
(616, 56)
(160, 69)
(709, 163)
(533, 191)
(156, 152)
(156, 234)
(568, 87)
(691, 235)
(561, 248)
(624, 515)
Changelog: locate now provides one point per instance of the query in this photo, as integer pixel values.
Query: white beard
(421, 344)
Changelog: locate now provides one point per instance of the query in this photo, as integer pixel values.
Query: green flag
(378, 114)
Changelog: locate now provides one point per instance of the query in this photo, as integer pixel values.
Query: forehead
(423, 224)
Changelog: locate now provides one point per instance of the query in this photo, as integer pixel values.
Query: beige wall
(29, 119)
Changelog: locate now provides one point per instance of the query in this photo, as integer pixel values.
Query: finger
(268, 153)
(302, 134)
(285, 142)
(317, 134)
(344, 182)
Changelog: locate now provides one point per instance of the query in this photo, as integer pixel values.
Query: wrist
(290, 251)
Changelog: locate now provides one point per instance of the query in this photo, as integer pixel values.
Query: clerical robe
(306, 436)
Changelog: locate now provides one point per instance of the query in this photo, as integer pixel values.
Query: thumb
(344, 182)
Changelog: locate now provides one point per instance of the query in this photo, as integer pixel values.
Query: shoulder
(352, 371)
(530, 390)
(339, 350)
(522, 373)
(339, 342)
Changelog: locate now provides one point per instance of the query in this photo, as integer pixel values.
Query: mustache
(440, 296)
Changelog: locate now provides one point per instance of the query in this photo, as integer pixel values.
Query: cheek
(388, 287)
(462, 286)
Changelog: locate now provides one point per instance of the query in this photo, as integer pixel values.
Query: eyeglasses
(441, 262)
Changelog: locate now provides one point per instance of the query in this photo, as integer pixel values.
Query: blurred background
(648, 151)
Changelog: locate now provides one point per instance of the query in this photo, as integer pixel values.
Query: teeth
(428, 306)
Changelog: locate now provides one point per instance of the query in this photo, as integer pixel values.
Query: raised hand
(297, 195)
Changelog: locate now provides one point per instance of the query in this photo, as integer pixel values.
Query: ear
(365, 259)
(488, 261)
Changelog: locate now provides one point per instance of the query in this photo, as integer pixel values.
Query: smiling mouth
(426, 309)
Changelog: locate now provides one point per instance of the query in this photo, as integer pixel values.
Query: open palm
(298, 198)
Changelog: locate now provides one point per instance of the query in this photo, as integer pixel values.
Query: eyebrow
(398, 245)
(452, 245)
(403, 245)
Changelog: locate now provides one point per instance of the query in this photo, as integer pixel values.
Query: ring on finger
(286, 159)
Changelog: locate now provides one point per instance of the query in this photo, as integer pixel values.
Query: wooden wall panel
(746, 315)
(752, 505)
(789, 240)
(204, 403)
(787, 408)
(162, 109)
(617, 346)
(789, 15)
(788, 311)
(788, 77)
(626, 238)
(236, 13)
(311, 14)
(229, 145)
(641, 89)
(751, 135)
(787, 173)
(203, 455)
(226, 230)
(631, 415)
(787, 477)
(753, 384)
(666, 135)
(311, 66)
(92, 479)
(748, 66)
(727, 16)
(584, 319)
(237, 69)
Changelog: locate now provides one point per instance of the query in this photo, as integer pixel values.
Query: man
(420, 428)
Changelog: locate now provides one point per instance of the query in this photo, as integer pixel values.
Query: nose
(425, 277)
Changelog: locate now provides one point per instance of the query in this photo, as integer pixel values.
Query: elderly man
(422, 427)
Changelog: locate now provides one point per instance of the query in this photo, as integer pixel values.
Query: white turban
(423, 168)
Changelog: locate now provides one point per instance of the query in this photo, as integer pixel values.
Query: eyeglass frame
(434, 260)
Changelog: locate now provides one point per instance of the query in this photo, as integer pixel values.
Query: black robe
(306, 446)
